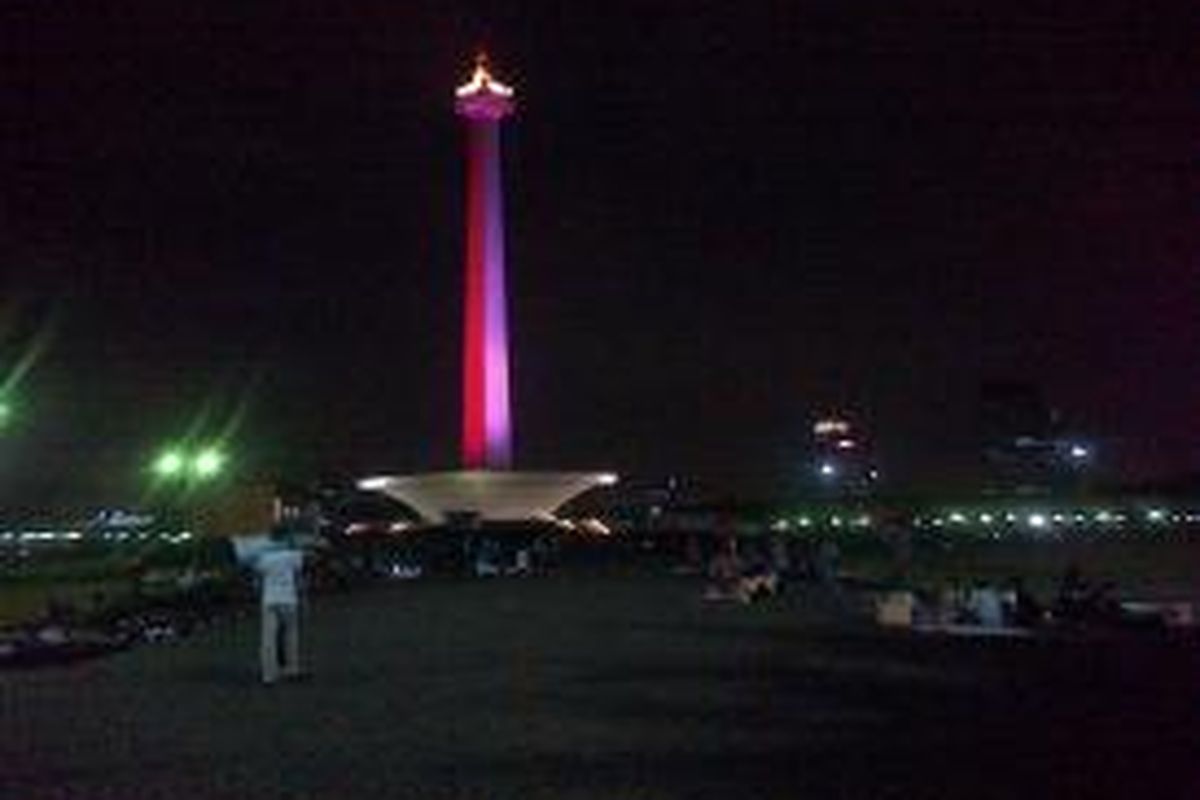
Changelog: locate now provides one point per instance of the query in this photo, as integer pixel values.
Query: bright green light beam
(169, 464)
(208, 463)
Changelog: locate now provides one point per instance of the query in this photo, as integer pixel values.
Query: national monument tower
(486, 487)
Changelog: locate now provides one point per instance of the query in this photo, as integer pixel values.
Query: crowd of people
(1075, 604)
(297, 555)
(744, 572)
(67, 631)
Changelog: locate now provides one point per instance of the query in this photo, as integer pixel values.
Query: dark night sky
(723, 219)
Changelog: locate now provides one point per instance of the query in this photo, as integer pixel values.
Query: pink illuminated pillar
(487, 427)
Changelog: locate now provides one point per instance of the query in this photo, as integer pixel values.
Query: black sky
(723, 219)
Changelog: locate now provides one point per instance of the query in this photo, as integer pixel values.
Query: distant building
(843, 458)
(1025, 443)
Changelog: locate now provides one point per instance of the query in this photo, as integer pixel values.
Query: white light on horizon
(824, 427)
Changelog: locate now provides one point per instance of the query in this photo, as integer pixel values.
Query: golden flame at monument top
(482, 81)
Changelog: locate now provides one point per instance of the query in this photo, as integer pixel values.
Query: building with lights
(843, 459)
(486, 488)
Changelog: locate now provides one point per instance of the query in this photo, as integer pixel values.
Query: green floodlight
(169, 464)
(208, 463)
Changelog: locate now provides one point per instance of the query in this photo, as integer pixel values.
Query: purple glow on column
(497, 424)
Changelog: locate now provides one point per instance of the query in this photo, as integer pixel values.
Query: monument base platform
(486, 495)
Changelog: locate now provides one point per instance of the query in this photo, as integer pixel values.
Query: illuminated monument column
(485, 488)
(486, 426)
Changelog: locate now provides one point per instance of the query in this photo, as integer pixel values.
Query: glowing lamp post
(169, 465)
(208, 463)
(203, 465)
(181, 472)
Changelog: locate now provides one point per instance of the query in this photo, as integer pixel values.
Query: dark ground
(625, 687)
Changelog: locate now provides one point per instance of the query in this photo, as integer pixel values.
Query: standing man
(279, 567)
(277, 557)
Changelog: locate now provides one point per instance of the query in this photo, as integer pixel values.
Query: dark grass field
(606, 687)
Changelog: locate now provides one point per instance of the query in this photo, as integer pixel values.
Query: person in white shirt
(279, 563)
